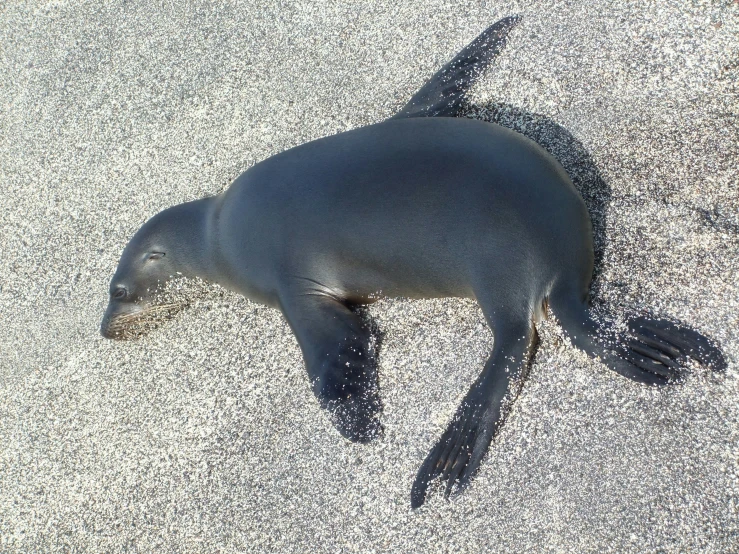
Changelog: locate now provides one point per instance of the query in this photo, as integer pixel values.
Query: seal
(418, 206)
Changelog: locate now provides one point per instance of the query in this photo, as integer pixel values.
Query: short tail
(443, 94)
(653, 351)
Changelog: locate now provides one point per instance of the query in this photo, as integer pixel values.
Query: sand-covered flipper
(654, 351)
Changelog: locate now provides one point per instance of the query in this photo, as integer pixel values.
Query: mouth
(131, 325)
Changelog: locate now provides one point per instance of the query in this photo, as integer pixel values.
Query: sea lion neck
(202, 241)
(187, 231)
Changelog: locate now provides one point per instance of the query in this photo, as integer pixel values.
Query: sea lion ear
(155, 256)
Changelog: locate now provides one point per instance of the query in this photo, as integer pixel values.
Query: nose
(105, 328)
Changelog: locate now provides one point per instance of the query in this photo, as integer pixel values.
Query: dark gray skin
(419, 207)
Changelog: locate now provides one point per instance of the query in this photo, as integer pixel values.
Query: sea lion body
(422, 205)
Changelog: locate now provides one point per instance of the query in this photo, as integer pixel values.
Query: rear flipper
(655, 353)
(658, 341)
(457, 455)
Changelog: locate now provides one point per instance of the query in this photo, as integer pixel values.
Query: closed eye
(156, 255)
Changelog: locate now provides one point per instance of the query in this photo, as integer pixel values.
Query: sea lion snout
(136, 321)
(105, 330)
(116, 323)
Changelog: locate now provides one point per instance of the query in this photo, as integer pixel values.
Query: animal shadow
(569, 152)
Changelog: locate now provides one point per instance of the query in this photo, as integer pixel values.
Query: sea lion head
(159, 252)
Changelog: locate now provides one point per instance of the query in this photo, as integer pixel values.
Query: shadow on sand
(569, 151)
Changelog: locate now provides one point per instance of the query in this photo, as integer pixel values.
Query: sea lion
(417, 206)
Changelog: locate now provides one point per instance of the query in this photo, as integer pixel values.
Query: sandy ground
(204, 436)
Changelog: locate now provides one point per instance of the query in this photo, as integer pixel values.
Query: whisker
(131, 325)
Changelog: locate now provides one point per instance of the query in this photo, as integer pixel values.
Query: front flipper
(457, 455)
(340, 360)
(443, 94)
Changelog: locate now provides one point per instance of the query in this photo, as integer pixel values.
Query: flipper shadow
(568, 151)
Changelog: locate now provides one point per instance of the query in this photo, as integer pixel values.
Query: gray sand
(204, 436)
